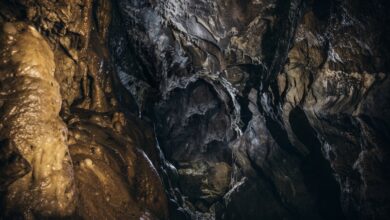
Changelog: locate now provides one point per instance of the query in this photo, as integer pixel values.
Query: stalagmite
(31, 128)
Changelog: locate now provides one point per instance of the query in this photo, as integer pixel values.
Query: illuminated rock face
(90, 162)
(264, 109)
(31, 129)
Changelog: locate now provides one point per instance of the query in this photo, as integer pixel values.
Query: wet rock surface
(198, 109)
(115, 179)
(32, 133)
(275, 90)
(67, 150)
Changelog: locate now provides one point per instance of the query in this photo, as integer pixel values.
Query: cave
(195, 109)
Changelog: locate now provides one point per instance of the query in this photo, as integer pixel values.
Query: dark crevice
(271, 185)
(318, 175)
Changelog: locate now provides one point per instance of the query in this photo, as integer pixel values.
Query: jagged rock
(196, 58)
(286, 73)
(264, 109)
(330, 73)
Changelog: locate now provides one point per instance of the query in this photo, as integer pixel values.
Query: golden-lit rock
(30, 122)
(115, 179)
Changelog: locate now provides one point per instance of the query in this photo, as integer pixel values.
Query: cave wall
(284, 94)
(198, 109)
(341, 74)
(68, 149)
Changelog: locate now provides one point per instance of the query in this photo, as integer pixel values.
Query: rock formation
(33, 135)
(197, 109)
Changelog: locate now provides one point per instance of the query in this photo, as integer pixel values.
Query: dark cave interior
(195, 109)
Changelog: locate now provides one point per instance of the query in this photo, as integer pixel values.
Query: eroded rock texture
(277, 97)
(263, 109)
(38, 170)
(90, 163)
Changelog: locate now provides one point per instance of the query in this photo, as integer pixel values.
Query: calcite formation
(195, 109)
(67, 151)
(31, 129)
